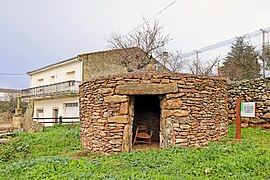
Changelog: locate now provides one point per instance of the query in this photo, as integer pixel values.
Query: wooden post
(60, 119)
(238, 119)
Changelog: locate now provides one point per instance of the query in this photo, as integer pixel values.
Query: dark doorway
(147, 112)
(55, 113)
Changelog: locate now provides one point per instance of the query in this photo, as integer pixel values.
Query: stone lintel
(144, 89)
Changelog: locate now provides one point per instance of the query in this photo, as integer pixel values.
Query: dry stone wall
(193, 109)
(255, 90)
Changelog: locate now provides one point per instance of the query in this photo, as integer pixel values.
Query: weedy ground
(56, 153)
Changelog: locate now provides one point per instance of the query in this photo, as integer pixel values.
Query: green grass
(57, 154)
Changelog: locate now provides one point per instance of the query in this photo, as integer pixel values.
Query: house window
(40, 81)
(71, 83)
(70, 75)
(72, 109)
(40, 113)
(52, 78)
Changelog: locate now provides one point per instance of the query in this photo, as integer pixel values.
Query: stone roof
(155, 73)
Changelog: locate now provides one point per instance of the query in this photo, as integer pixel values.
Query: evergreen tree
(267, 56)
(242, 61)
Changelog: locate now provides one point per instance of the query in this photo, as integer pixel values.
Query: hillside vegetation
(56, 153)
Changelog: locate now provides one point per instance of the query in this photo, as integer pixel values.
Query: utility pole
(197, 62)
(263, 50)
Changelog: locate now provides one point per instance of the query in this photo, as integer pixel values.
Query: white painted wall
(71, 70)
(60, 73)
(49, 104)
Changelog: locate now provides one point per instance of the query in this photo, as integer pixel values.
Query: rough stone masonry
(254, 90)
(193, 109)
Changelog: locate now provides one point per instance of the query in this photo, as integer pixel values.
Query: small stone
(116, 150)
(266, 125)
(106, 114)
(177, 95)
(119, 119)
(105, 90)
(243, 119)
(244, 125)
(123, 108)
(267, 102)
(256, 120)
(183, 133)
(266, 116)
(202, 112)
(194, 108)
(179, 113)
(264, 97)
(181, 140)
(172, 104)
(116, 98)
(209, 83)
(184, 126)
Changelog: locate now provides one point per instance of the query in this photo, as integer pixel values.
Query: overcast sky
(36, 33)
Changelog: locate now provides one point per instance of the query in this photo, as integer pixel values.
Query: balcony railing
(62, 88)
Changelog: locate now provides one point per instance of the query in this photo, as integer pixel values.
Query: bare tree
(8, 103)
(175, 62)
(148, 38)
(206, 69)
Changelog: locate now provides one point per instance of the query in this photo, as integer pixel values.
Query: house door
(55, 113)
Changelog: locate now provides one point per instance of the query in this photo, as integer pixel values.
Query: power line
(11, 74)
(146, 21)
(224, 43)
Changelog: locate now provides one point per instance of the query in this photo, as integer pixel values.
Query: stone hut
(180, 109)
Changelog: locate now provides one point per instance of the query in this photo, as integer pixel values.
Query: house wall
(193, 110)
(49, 104)
(107, 63)
(254, 90)
(60, 74)
(101, 64)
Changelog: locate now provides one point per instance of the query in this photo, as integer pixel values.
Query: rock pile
(255, 90)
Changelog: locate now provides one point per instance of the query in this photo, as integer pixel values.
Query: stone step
(5, 134)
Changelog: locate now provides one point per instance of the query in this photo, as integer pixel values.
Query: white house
(55, 88)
